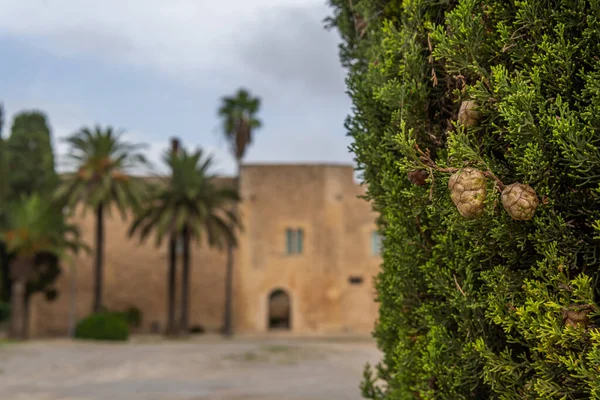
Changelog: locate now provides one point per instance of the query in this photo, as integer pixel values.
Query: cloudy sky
(158, 68)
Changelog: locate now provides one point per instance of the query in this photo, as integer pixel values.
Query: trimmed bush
(133, 316)
(103, 326)
(490, 286)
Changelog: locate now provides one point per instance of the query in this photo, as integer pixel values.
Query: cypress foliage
(29, 147)
(4, 186)
(502, 303)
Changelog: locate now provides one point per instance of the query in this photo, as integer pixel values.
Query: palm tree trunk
(26, 313)
(99, 273)
(228, 312)
(73, 301)
(17, 302)
(5, 282)
(185, 284)
(20, 270)
(227, 325)
(172, 274)
(171, 282)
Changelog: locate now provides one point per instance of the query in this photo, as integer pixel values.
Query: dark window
(299, 240)
(355, 280)
(289, 241)
(294, 241)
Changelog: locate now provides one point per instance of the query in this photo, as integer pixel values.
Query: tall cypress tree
(477, 127)
(3, 161)
(31, 159)
(4, 192)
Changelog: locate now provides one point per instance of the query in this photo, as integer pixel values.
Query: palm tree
(34, 231)
(104, 162)
(239, 117)
(188, 205)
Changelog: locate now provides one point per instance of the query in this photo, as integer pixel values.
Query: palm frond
(103, 162)
(239, 120)
(190, 200)
(34, 225)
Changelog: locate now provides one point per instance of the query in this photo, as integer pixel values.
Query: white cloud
(277, 48)
(176, 37)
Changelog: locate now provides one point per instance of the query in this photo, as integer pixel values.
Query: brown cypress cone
(468, 115)
(577, 314)
(418, 177)
(467, 190)
(520, 201)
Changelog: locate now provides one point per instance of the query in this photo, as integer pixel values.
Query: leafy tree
(190, 205)
(27, 154)
(31, 159)
(240, 120)
(454, 103)
(37, 236)
(102, 180)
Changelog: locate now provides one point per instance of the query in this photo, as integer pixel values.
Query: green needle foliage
(31, 159)
(4, 181)
(486, 307)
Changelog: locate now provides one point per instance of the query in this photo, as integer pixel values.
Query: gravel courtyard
(206, 368)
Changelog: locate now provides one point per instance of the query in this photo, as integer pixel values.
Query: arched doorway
(279, 313)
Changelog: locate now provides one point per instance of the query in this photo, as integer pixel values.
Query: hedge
(103, 326)
(476, 125)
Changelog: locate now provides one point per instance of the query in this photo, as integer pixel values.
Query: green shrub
(133, 316)
(103, 326)
(487, 307)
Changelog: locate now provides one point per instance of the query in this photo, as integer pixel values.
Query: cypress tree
(31, 159)
(3, 161)
(4, 193)
(476, 125)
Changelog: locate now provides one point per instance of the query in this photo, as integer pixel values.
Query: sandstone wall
(320, 199)
(135, 275)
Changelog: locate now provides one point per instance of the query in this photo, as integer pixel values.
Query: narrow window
(375, 244)
(355, 280)
(294, 241)
(289, 241)
(299, 240)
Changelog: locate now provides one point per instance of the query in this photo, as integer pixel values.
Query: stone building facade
(306, 260)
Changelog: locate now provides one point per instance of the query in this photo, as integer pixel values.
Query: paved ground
(206, 368)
